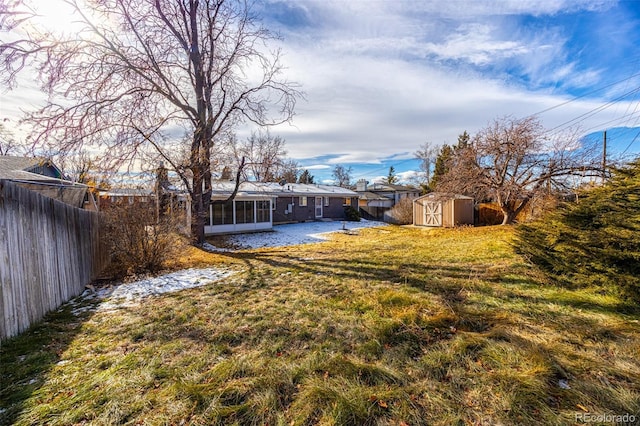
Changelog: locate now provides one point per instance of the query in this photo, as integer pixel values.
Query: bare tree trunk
(170, 64)
(509, 216)
(197, 208)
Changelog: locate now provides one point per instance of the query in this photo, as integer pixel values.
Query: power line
(586, 94)
(592, 112)
(630, 143)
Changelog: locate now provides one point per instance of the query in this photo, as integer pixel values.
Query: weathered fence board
(49, 251)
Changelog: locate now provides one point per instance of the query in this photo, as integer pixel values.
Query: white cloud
(476, 44)
(383, 77)
(316, 167)
(373, 91)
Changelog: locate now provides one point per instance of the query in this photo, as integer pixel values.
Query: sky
(383, 77)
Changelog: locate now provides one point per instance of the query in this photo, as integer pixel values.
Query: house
(258, 206)
(297, 202)
(443, 210)
(122, 196)
(43, 176)
(377, 198)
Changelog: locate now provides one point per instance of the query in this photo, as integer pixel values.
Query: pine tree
(306, 177)
(441, 166)
(392, 178)
(595, 241)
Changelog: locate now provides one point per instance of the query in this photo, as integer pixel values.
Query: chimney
(361, 185)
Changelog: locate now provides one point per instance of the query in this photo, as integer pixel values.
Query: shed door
(319, 203)
(433, 214)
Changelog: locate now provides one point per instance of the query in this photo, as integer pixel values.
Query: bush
(352, 214)
(401, 213)
(137, 244)
(595, 241)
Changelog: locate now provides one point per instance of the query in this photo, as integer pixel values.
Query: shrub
(401, 213)
(595, 241)
(136, 243)
(352, 214)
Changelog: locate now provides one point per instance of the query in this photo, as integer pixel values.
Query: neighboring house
(172, 203)
(377, 198)
(257, 206)
(43, 176)
(123, 196)
(443, 210)
(297, 202)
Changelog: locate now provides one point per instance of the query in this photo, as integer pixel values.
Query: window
(303, 201)
(222, 214)
(273, 203)
(244, 211)
(326, 201)
(262, 211)
(347, 201)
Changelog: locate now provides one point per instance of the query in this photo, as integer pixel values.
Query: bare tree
(264, 155)
(342, 175)
(8, 144)
(289, 171)
(427, 154)
(137, 74)
(513, 160)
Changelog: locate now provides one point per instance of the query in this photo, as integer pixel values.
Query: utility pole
(604, 157)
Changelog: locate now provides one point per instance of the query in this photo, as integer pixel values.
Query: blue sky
(383, 77)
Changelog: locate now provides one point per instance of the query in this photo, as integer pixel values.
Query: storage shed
(443, 210)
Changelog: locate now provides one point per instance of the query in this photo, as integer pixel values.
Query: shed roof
(442, 196)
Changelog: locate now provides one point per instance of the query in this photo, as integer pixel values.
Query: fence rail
(49, 251)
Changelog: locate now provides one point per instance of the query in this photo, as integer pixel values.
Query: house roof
(127, 192)
(33, 169)
(442, 196)
(274, 189)
(10, 163)
(385, 187)
(372, 196)
(14, 167)
(20, 168)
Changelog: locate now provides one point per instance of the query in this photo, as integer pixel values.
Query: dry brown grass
(394, 325)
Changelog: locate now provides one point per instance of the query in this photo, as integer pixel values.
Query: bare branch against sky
(138, 74)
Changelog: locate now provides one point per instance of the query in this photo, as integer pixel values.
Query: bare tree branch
(137, 71)
(510, 161)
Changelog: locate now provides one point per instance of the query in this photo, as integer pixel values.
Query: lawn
(383, 326)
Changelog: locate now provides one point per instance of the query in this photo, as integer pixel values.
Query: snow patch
(295, 234)
(131, 294)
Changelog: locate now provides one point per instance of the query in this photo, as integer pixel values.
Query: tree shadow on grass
(27, 359)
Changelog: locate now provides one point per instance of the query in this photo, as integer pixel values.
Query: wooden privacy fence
(49, 251)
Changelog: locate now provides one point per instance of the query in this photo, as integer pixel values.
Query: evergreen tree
(463, 140)
(442, 164)
(226, 173)
(306, 177)
(595, 241)
(392, 178)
